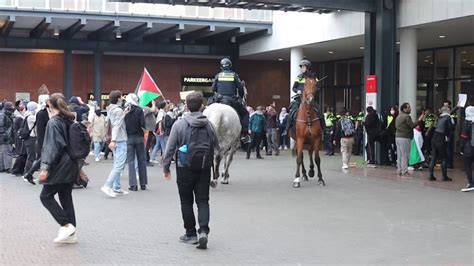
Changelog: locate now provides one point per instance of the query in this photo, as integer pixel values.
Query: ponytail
(58, 102)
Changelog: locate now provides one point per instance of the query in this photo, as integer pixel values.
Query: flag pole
(148, 73)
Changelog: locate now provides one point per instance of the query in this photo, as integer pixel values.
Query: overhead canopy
(320, 6)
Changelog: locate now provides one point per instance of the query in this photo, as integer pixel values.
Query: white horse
(226, 122)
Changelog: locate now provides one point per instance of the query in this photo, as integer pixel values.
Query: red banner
(370, 84)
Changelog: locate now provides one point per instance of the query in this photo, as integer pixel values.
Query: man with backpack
(28, 134)
(195, 140)
(345, 131)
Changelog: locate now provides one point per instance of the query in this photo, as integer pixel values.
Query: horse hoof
(296, 184)
(225, 182)
(213, 184)
(305, 178)
(321, 183)
(311, 173)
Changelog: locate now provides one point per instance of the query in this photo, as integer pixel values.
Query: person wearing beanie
(42, 118)
(134, 124)
(30, 143)
(467, 147)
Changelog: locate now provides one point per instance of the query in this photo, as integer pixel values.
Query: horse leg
(228, 162)
(311, 164)
(216, 171)
(299, 161)
(318, 163)
(305, 177)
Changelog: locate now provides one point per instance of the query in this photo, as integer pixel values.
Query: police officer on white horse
(228, 90)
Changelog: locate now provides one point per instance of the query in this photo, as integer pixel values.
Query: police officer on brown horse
(228, 90)
(298, 87)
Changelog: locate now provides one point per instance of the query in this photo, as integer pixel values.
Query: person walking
(256, 131)
(118, 144)
(441, 135)
(99, 132)
(134, 123)
(30, 143)
(345, 131)
(403, 136)
(58, 170)
(467, 147)
(195, 140)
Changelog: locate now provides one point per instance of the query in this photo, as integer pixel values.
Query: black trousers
(136, 147)
(468, 160)
(450, 151)
(64, 213)
(30, 144)
(438, 152)
(256, 140)
(371, 148)
(194, 185)
(19, 165)
(328, 141)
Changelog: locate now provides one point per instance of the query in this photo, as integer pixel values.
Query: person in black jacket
(467, 147)
(441, 136)
(134, 124)
(58, 170)
(372, 128)
(6, 137)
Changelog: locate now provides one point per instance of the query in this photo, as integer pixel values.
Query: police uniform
(329, 123)
(228, 90)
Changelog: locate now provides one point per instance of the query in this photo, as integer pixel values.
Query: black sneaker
(189, 239)
(143, 187)
(447, 179)
(468, 188)
(202, 244)
(133, 188)
(432, 178)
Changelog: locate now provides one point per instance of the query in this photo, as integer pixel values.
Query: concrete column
(67, 74)
(408, 68)
(296, 55)
(97, 77)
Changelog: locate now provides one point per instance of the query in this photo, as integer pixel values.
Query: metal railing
(140, 9)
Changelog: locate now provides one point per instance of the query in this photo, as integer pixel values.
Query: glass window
(123, 7)
(56, 4)
(204, 12)
(69, 5)
(328, 97)
(341, 73)
(466, 87)
(110, 6)
(31, 3)
(355, 72)
(465, 62)
(444, 64)
(443, 90)
(328, 70)
(425, 65)
(95, 5)
(190, 11)
(6, 2)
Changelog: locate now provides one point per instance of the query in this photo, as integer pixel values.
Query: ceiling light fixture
(463, 52)
(464, 60)
(427, 61)
(56, 31)
(442, 36)
(397, 42)
(280, 59)
(178, 36)
(233, 39)
(472, 64)
(118, 34)
(362, 47)
(331, 52)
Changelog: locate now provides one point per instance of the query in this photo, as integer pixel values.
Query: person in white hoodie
(118, 144)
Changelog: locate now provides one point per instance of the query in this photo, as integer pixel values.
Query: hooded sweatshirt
(116, 119)
(179, 132)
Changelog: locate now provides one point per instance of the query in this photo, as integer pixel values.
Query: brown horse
(308, 134)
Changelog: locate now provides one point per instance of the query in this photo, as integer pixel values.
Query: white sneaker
(468, 188)
(97, 159)
(120, 192)
(91, 153)
(65, 232)
(72, 239)
(345, 166)
(411, 168)
(108, 191)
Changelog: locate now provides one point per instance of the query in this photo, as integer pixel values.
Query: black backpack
(79, 141)
(200, 155)
(25, 131)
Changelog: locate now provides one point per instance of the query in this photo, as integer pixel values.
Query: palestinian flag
(147, 90)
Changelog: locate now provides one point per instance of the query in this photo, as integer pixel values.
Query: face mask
(97, 112)
(392, 112)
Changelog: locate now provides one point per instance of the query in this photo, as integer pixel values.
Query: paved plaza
(358, 218)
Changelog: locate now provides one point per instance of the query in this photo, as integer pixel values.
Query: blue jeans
(156, 148)
(98, 148)
(164, 141)
(120, 157)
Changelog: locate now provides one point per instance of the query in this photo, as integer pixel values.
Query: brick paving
(363, 216)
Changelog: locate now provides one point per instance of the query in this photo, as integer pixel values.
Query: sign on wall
(22, 96)
(371, 91)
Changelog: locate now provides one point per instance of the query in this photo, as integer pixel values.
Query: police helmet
(305, 63)
(226, 63)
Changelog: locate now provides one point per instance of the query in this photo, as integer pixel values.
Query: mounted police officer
(298, 87)
(228, 90)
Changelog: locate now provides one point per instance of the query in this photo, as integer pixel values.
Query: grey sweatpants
(403, 154)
